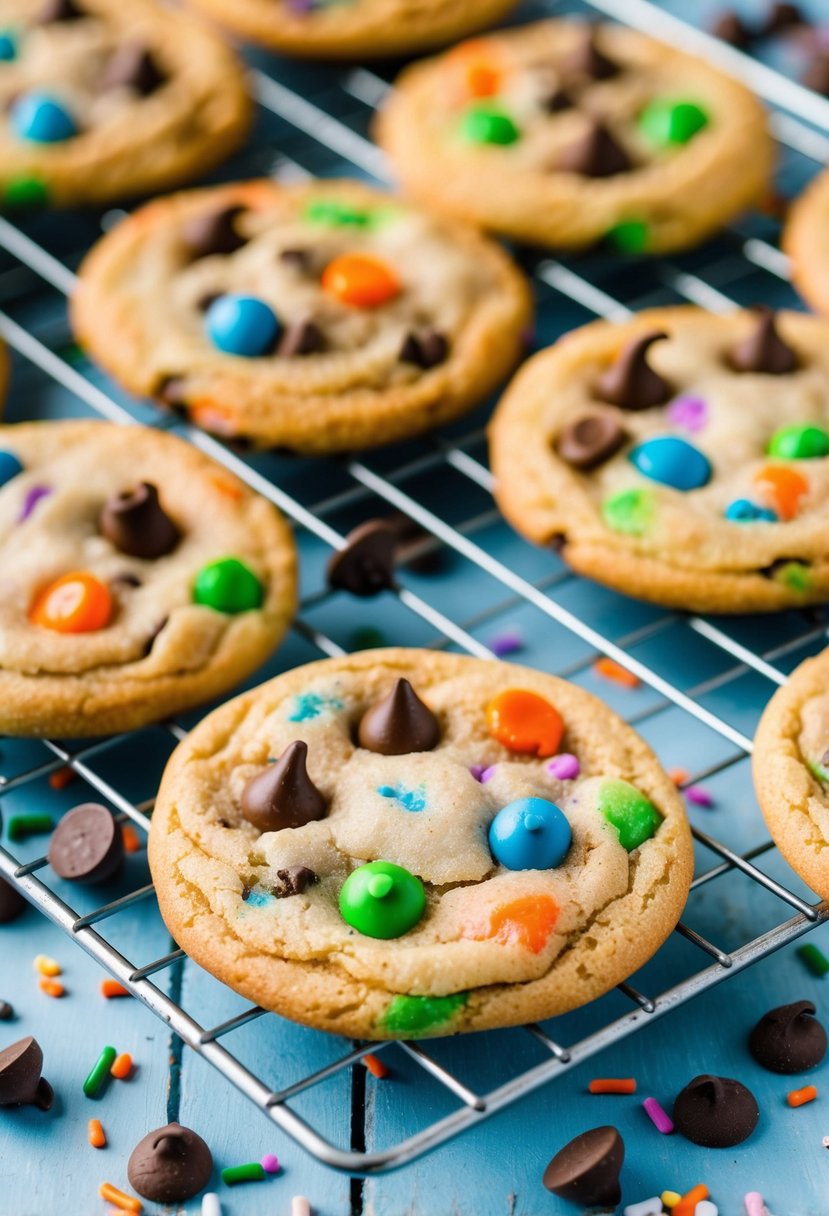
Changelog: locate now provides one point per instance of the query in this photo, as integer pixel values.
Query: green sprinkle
(815, 959)
(335, 214)
(630, 511)
(668, 123)
(629, 236)
(818, 771)
(21, 826)
(628, 810)
(415, 1016)
(100, 1071)
(252, 1172)
(488, 125)
(26, 192)
(799, 442)
(228, 585)
(794, 575)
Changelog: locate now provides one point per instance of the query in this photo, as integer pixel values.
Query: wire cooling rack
(317, 119)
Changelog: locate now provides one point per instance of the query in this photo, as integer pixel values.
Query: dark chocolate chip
(816, 76)
(729, 27)
(20, 1081)
(557, 541)
(293, 881)
(170, 1165)
(590, 440)
(133, 66)
(716, 1112)
(86, 846)
(283, 795)
(12, 902)
(171, 390)
(427, 349)
(415, 548)
(209, 297)
(588, 60)
(764, 350)
(788, 1039)
(127, 579)
(60, 10)
(557, 101)
(365, 565)
(298, 259)
(136, 523)
(301, 338)
(150, 642)
(6, 1011)
(595, 154)
(213, 232)
(631, 383)
(783, 17)
(586, 1171)
(399, 724)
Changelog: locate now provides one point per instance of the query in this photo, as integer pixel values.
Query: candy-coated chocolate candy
(360, 281)
(25, 192)
(629, 812)
(668, 123)
(629, 512)
(629, 236)
(489, 125)
(228, 585)
(8, 46)
(691, 413)
(241, 325)
(382, 900)
(411, 1017)
(524, 722)
(799, 442)
(672, 462)
(742, 511)
(74, 603)
(783, 488)
(337, 214)
(530, 834)
(473, 65)
(10, 466)
(527, 921)
(40, 118)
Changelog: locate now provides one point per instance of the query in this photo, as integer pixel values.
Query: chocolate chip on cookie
(764, 350)
(590, 440)
(136, 523)
(595, 154)
(589, 60)
(293, 880)
(133, 66)
(283, 795)
(631, 383)
(213, 232)
(302, 338)
(426, 349)
(400, 723)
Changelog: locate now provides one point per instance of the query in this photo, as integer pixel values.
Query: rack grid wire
(328, 122)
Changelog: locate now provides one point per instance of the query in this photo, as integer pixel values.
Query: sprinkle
(609, 669)
(270, 1163)
(688, 1202)
(250, 1172)
(6, 1011)
(815, 960)
(477, 771)
(648, 1207)
(670, 1198)
(210, 1205)
(21, 826)
(111, 988)
(706, 1208)
(658, 1117)
(300, 1206)
(688, 412)
(30, 501)
(131, 839)
(376, 1067)
(127, 1203)
(678, 775)
(96, 1134)
(122, 1066)
(100, 1071)
(47, 966)
(52, 987)
(565, 767)
(754, 1204)
(508, 642)
(613, 1085)
(488, 774)
(61, 777)
(699, 796)
(799, 1097)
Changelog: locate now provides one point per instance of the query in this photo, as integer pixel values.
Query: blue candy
(10, 466)
(241, 325)
(741, 511)
(530, 834)
(41, 119)
(673, 462)
(8, 46)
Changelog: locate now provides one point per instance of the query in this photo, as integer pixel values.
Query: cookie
(101, 99)
(139, 578)
(791, 771)
(315, 318)
(349, 29)
(680, 457)
(806, 241)
(377, 845)
(561, 134)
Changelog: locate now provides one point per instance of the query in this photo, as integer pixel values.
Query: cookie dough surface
(806, 241)
(160, 651)
(140, 310)
(155, 99)
(646, 538)
(495, 946)
(578, 149)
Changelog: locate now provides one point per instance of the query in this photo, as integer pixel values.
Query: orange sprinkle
(131, 839)
(613, 1085)
(783, 487)
(74, 603)
(61, 777)
(678, 775)
(360, 281)
(375, 1066)
(52, 987)
(690, 1199)
(526, 922)
(229, 488)
(213, 417)
(799, 1097)
(126, 1203)
(47, 966)
(122, 1067)
(475, 69)
(525, 722)
(611, 670)
(111, 988)
(96, 1134)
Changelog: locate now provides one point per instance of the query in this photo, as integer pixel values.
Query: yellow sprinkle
(47, 966)
(670, 1198)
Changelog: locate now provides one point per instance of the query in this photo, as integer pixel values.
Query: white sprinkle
(648, 1207)
(300, 1206)
(706, 1208)
(826, 1141)
(210, 1205)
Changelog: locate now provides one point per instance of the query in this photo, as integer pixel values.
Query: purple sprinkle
(658, 1117)
(270, 1163)
(506, 643)
(699, 796)
(565, 767)
(688, 412)
(488, 773)
(477, 770)
(33, 497)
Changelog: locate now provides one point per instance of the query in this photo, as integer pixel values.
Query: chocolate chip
(150, 642)
(783, 17)
(298, 259)
(127, 579)
(170, 1165)
(763, 350)
(60, 10)
(816, 76)
(631, 383)
(86, 846)
(595, 154)
(590, 440)
(788, 1039)
(293, 881)
(586, 1171)
(415, 548)
(133, 66)
(301, 338)
(171, 390)
(209, 297)
(20, 1081)
(399, 724)
(716, 1112)
(587, 60)
(425, 350)
(729, 27)
(12, 902)
(136, 523)
(283, 795)
(557, 101)
(365, 565)
(213, 232)
(6, 1011)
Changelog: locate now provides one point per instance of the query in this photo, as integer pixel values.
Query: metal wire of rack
(369, 481)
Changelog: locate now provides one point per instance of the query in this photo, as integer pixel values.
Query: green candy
(629, 236)
(488, 125)
(629, 511)
(629, 812)
(799, 442)
(382, 900)
(228, 585)
(25, 192)
(411, 1017)
(818, 771)
(794, 575)
(335, 214)
(668, 123)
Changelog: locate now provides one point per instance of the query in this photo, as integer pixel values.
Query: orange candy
(376, 1066)
(783, 488)
(526, 922)
(525, 722)
(360, 281)
(74, 603)
(131, 839)
(96, 1134)
(475, 67)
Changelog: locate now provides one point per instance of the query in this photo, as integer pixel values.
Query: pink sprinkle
(688, 412)
(657, 1116)
(699, 796)
(477, 771)
(270, 1163)
(754, 1204)
(565, 767)
(488, 773)
(506, 643)
(33, 497)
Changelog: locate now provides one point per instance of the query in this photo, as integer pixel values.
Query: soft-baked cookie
(402, 843)
(105, 98)
(791, 771)
(139, 578)
(680, 457)
(561, 134)
(806, 241)
(349, 29)
(315, 318)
